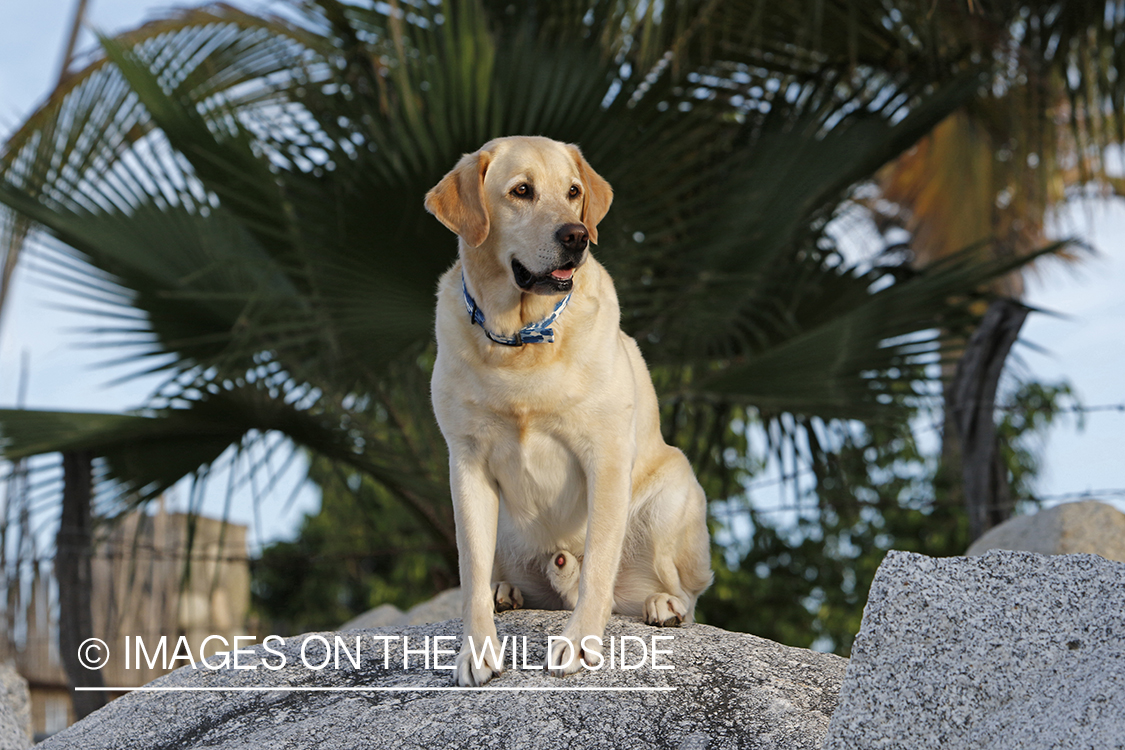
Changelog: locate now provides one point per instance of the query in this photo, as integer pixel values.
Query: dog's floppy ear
(458, 200)
(597, 195)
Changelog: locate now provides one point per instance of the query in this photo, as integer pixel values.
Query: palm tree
(239, 197)
(991, 171)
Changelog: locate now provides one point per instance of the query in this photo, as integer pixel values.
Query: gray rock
(444, 606)
(12, 736)
(1006, 650)
(380, 617)
(15, 710)
(728, 690)
(1088, 526)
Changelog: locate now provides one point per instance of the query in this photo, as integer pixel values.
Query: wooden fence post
(73, 549)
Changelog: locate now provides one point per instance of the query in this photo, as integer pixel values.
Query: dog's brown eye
(574, 191)
(522, 190)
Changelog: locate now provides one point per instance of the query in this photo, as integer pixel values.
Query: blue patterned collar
(533, 333)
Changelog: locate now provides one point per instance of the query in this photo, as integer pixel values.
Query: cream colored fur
(555, 448)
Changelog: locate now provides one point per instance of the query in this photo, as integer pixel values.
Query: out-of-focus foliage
(1030, 411)
(361, 549)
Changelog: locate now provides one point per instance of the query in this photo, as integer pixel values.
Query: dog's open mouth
(559, 280)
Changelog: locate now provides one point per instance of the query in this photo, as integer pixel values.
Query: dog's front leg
(476, 508)
(608, 493)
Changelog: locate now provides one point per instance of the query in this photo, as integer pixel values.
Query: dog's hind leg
(683, 568)
(671, 606)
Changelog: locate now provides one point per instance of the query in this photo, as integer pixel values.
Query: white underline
(290, 689)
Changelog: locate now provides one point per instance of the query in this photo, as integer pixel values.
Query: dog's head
(531, 202)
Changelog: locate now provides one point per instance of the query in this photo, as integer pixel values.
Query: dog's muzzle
(573, 240)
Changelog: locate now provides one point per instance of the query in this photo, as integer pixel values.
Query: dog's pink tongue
(562, 274)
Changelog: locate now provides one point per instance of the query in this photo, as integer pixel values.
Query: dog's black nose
(573, 237)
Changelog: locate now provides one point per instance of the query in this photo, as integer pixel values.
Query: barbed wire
(1114, 492)
(1077, 408)
(156, 554)
(1076, 495)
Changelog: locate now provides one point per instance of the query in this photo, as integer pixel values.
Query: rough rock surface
(444, 606)
(729, 690)
(1088, 526)
(12, 736)
(15, 710)
(1006, 650)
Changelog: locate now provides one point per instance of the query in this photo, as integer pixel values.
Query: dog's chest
(542, 484)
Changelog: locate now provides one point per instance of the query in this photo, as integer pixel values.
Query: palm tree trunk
(971, 402)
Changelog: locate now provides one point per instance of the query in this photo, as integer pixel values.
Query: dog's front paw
(505, 596)
(567, 655)
(665, 610)
(479, 661)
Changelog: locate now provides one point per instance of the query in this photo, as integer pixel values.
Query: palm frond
(147, 453)
(820, 371)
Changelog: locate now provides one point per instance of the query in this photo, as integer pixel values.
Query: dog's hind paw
(664, 611)
(505, 596)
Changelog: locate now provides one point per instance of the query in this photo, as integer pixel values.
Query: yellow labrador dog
(564, 493)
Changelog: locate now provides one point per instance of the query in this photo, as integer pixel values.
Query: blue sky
(1085, 343)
